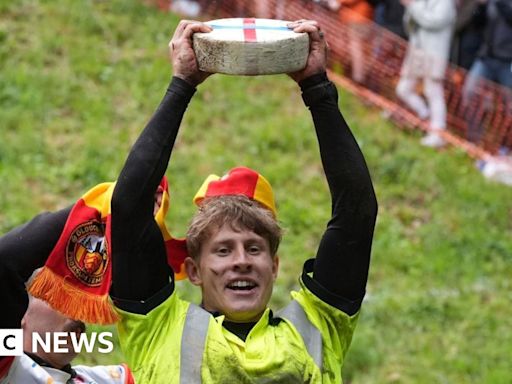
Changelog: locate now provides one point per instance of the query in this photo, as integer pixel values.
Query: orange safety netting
(480, 123)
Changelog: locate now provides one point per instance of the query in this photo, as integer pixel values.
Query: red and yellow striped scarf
(77, 275)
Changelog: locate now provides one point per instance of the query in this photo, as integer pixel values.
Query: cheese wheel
(247, 46)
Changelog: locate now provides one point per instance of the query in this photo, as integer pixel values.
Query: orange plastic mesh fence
(480, 123)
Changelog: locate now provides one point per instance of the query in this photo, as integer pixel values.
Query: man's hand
(406, 3)
(182, 55)
(317, 58)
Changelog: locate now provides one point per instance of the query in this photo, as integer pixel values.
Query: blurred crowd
(473, 34)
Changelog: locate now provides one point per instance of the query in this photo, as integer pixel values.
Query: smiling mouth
(241, 285)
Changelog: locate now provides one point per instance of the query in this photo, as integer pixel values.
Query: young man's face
(236, 273)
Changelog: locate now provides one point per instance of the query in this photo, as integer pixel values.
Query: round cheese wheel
(247, 46)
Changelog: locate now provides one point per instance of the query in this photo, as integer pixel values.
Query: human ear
(275, 266)
(193, 271)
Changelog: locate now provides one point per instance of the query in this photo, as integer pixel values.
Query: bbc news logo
(11, 342)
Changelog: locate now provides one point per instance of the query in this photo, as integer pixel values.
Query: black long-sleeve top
(142, 278)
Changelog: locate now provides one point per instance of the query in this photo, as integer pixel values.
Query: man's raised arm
(139, 261)
(340, 271)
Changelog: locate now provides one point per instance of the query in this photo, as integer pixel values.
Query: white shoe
(433, 140)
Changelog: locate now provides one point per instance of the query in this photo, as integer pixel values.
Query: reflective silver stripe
(310, 334)
(193, 341)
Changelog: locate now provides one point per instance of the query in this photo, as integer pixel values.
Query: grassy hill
(79, 80)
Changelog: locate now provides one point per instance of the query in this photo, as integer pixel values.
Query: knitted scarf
(77, 275)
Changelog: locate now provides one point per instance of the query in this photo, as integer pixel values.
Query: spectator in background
(494, 60)
(429, 24)
(469, 30)
(387, 46)
(358, 16)
(391, 16)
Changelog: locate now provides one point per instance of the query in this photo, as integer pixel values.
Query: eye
(254, 249)
(222, 251)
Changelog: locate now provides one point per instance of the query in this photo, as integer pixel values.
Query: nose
(242, 260)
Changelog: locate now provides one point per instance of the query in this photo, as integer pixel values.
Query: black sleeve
(23, 250)
(340, 271)
(142, 278)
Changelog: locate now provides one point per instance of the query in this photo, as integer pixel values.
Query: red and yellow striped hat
(238, 181)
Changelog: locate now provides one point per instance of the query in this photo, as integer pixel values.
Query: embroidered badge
(86, 253)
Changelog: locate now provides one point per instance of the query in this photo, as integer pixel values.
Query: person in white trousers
(430, 25)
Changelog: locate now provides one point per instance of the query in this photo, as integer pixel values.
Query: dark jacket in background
(469, 32)
(392, 16)
(498, 32)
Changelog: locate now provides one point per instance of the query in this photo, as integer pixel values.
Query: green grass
(80, 79)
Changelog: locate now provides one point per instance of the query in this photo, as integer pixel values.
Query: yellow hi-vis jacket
(178, 342)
